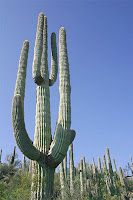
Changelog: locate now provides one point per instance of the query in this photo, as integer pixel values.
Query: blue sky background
(100, 52)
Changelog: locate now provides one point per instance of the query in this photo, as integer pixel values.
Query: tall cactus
(47, 154)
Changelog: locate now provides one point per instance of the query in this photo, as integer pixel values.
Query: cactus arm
(44, 59)
(38, 51)
(22, 139)
(54, 64)
(21, 76)
(63, 135)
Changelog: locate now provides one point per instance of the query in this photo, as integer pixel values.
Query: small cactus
(0, 155)
(71, 167)
(81, 177)
(13, 156)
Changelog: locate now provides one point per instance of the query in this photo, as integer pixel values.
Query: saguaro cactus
(0, 155)
(13, 156)
(71, 168)
(81, 177)
(46, 153)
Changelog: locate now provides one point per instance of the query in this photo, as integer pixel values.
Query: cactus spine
(47, 154)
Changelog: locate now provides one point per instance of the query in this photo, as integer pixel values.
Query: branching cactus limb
(46, 153)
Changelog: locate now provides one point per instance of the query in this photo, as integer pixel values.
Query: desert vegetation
(87, 181)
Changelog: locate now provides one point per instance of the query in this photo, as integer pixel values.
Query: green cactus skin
(71, 167)
(81, 177)
(47, 154)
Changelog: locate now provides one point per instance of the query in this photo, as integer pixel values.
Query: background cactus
(47, 154)
(0, 155)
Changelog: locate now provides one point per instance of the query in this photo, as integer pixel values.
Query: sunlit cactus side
(46, 153)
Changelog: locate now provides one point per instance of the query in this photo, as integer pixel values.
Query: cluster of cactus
(92, 177)
(46, 153)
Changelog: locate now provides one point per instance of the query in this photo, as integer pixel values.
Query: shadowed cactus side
(47, 154)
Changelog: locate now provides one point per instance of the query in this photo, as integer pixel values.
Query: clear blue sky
(100, 51)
